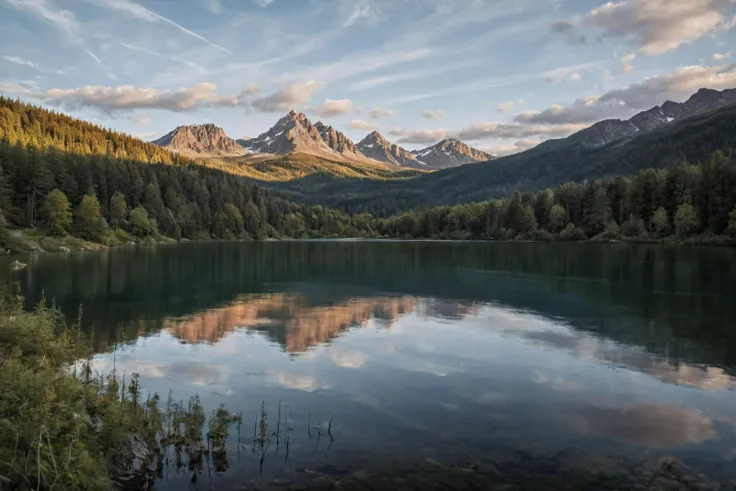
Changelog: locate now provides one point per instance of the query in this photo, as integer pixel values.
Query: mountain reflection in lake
(582, 363)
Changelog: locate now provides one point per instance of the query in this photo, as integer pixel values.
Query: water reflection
(443, 351)
(287, 319)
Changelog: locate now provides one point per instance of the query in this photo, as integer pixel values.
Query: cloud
(719, 56)
(516, 147)
(128, 98)
(486, 131)
(370, 83)
(571, 73)
(288, 97)
(628, 58)
(569, 32)
(334, 107)
(659, 26)
(160, 55)
(676, 85)
(638, 96)
(63, 20)
(214, 6)
(434, 115)
(627, 68)
(102, 65)
(141, 119)
(347, 359)
(140, 12)
(358, 124)
(357, 64)
(378, 112)
(584, 110)
(649, 425)
(506, 106)
(263, 3)
(20, 61)
(252, 89)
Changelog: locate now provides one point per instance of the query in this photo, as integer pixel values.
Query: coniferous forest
(64, 177)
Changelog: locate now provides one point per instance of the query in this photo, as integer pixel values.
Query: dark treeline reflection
(672, 301)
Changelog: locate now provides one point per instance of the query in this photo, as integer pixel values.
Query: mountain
(206, 140)
(378, 148)
(574, 159)
(295, 133)
(450, 153)
(609, 130)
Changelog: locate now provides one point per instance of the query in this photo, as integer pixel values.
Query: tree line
(679, 202)
(64, 176)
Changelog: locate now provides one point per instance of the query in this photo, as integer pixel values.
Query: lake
(408, 364)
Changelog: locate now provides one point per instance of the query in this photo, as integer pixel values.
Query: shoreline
(24, 243)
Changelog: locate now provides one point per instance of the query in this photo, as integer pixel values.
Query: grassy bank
(30, 240)
(63, 427)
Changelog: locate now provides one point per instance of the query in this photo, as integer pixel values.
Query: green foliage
(63, 428)
(118, 210)
(573, 233)
(661, 223)
(45, 156)
(89, 222)
(557, 216)
(633, 227)
(731, 230)
(686, 220)
(139, 222)
(58, 212)
(689, 141)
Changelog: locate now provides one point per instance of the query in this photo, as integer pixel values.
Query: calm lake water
(450, 353)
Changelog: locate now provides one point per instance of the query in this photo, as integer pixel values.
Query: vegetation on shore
(63, 427)
(66, 184)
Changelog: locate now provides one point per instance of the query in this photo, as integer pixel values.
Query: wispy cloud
(127, 98)
(359, 124)
(378, 81)
(97, 60)
(434, 115)
(64, 20)
(653, 26)
(20, 61)
(288, 97)
(160, 55)
(140, 12)
(332, 107)
(379, 112)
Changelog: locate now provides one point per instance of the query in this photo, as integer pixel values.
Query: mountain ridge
(200, 140)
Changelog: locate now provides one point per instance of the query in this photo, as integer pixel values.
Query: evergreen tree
(58, 212)
(118, 210)
(140, 225)
(685, 220)
(661, 223)
(89, 221)
(557, 217)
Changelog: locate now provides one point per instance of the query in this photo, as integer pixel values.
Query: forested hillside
(681, 202)
(65, 176)
(552, 163)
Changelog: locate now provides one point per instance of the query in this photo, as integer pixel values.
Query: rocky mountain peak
(375, 146)
(204, 140)
(450, 152)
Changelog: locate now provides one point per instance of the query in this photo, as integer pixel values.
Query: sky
(502, 75)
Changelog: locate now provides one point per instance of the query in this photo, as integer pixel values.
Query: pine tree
(89, 221)
(661, 223)
(58, 213)
(139, 222)
(685, 220)
(118, 210)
